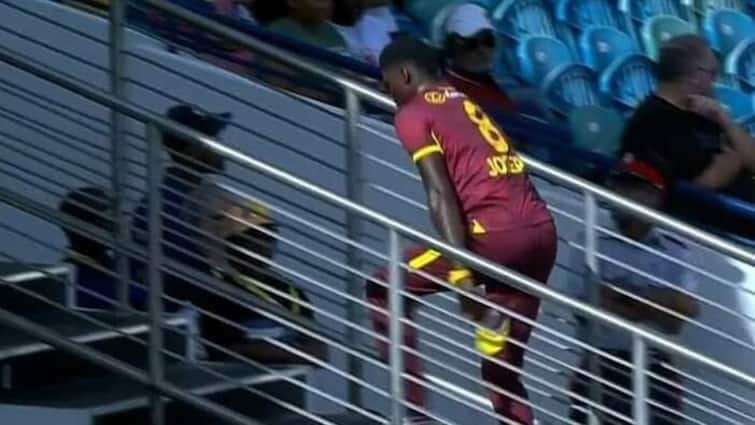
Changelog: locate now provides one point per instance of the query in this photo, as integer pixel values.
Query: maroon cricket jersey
(489, 177)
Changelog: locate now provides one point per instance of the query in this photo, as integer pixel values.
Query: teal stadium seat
(628, 81)
(600, 46)
(725, 28)
(570, 86)
(519, 19)
(582, 14)
(740, 65)
(425, 12)
(659, 29)
(596, 129)
(738, 103)
(538, 55)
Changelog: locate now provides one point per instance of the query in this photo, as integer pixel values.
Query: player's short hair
(678, 56)
(409, 50)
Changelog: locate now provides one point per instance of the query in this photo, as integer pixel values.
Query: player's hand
(708, 107)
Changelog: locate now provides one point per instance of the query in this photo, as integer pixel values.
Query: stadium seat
(642, 10)
(570, 86)
(538, 55)
(738, 103)
(426, 11)
(519, 19)
(660, 29)
(725, 28)
(628, 80)
(596, 129)
(601, 46)
(740, 65)
(704, 7)
(581, 14)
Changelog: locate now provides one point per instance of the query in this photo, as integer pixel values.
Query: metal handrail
(473, 260)
(381, 100)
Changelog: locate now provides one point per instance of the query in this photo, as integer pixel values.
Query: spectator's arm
(740, 141)
(640, 311)
(722, 170)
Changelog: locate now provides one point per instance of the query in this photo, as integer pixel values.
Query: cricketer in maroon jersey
(481, 199)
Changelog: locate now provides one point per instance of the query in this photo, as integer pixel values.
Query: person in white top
(366, 25)
(629, 278)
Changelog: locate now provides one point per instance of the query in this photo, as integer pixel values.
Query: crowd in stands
(229, 240)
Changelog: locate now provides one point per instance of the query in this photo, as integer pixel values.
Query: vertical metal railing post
(639, 381)
(154, 273)
(395, 320)
(118, 148)
(593, 283)
(353, 232)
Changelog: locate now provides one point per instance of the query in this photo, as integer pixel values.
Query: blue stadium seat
(581, 14)
(748, 123)
(704, 7)
(570, 86)
(538, 55)
(740, 64)
(738, 103)
(601, 46)
(628, 80)
(519, 19)
(659, 29)
(425, 11)
(596, 129)
(642, 10)
(725, 28)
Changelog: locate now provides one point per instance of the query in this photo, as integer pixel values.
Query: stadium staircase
(81, 101)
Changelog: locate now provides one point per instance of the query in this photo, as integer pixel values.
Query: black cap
(201, 121)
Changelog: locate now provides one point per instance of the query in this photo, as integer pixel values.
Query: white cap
(467, 20)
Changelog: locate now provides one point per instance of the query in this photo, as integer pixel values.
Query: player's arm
(447, 217)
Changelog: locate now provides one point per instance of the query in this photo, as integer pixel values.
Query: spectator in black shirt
(682, 126)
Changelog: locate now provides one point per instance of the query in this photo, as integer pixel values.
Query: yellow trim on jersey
(424, 259)
(477, 228)
(427, 150)
(456, 276)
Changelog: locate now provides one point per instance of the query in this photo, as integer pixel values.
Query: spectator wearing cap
(309, 21)
(191, 165)
(469, 48)
(627, 285)
(686, 128)
(96, 285)
(241, 238)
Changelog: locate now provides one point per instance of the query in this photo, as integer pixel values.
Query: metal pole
(154, 277)
(593, 282)
(117, 152)
(639, 381)
(353, 232)
(395, 318)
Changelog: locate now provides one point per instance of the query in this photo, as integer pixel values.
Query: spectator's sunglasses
(484, 38)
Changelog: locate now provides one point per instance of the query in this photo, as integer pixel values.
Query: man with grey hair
(688, 131)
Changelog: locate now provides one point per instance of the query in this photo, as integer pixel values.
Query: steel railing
(355, 94)
(158, 123)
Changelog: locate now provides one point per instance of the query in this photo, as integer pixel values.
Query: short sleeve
(414, 131)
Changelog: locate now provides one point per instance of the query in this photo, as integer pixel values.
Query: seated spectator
(618, 292)
(96, 283)
(367, 26)
(241, 238)
(684, 127)
(345, 17)
(192, 164)
(470, 50)
(309, 22)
